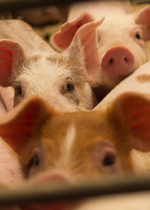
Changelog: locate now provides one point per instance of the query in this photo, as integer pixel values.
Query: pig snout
(118, 61)
(51, 177)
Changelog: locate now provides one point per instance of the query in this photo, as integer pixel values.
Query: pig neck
(100, 9)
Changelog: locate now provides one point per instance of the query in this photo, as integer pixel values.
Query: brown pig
(75, 146)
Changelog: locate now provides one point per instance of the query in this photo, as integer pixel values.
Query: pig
(32, 67)
(71, 147)
(81, 145)
(119, 51)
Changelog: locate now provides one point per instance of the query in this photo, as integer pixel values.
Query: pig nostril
(111, 61)
(126, 59)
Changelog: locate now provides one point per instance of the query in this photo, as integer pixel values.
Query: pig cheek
(139, 41)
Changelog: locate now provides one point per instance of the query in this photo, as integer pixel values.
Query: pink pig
(11, 173)
(118, 44)
(32, 67)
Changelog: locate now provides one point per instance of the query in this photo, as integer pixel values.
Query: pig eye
(34, 161)
(18, 90)
(105, 155)
(137, 36)
(109, 160)
(69, 87)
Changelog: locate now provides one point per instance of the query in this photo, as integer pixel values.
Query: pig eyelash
(69, 87)
(105, 155)
(109, 160)
(137, 36)
(18, 90)
(34, 162)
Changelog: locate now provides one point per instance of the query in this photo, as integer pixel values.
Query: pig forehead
(47, 68)
(118, 24)
(84, 125)
(43, 72)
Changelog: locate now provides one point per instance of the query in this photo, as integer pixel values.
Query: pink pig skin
(11, 174)
(32, 67)
(7, 99)
(119, 41)
(10, 169)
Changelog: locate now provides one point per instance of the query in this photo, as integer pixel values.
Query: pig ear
(133, 112)
(11, 55)
(62, 39)
(85, 46)
(143, 19)
(24, 121)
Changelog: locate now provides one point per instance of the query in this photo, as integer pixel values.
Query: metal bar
(140, 1)
(67, 192)
(6, 5)
(10, 5)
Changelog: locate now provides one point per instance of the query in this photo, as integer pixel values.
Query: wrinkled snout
(118, 61)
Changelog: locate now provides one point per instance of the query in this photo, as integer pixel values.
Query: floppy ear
(21, 123)
(143, 19)
(62, 39)
(11, 55)
(132, 111)
(84, 48)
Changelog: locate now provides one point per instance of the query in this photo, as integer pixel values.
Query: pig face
(120, 41)
(59, 79)
(79, 145)
(124, 52)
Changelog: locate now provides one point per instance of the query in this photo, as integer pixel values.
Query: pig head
(77, 146)
(31, 67)
(119, 43)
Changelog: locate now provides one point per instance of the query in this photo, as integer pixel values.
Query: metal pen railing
(67, 192)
